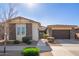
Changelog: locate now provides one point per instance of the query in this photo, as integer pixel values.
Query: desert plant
(27, 40)
(45, 36)
(31, 51)
(50, 39)
(16, 42)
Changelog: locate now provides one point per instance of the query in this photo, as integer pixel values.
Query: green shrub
(27, 40)
(31, 51)
(16, 42)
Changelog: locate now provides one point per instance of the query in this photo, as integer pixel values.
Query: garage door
(61, 34)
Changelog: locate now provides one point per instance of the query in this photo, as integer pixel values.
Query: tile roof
(61, 27)
(20, 17)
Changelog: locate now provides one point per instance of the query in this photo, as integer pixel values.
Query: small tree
(6, 14)
(1, 31)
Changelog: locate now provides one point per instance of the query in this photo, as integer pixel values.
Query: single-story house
(19, 27)
(63, 31)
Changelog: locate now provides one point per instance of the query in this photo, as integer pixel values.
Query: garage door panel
(61, 34)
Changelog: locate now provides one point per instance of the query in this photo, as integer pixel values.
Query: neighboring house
(76, 32)
(19, 27)
(63, 31)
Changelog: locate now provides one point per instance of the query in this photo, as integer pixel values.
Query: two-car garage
(61, 34)
(63, 31)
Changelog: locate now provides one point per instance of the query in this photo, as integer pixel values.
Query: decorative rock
(42, 45)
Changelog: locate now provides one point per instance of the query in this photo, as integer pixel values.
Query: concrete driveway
(67, 41)
(65, 47)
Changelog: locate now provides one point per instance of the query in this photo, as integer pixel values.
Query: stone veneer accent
(12, 32)
(72, 34)
(29, 30)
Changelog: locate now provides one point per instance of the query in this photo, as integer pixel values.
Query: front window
(18, 30)
(23, 30)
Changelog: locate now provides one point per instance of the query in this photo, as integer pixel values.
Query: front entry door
(20, 31)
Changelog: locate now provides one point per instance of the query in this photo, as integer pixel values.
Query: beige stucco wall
(35, 31)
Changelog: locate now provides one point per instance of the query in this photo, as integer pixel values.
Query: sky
(49, 13)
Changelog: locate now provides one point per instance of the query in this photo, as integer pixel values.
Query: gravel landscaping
(19, 53)
(16, 49)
